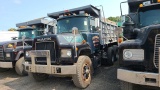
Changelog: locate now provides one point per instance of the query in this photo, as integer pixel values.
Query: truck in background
(83, 42)
(139, 57)
(11, 52)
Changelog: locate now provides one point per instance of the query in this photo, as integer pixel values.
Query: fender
(18, 55)
(84, 48)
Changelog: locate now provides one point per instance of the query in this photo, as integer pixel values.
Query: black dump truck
(82, 43)
(139, 57)
(11, 52)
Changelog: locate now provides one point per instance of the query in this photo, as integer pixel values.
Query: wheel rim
(86, 72)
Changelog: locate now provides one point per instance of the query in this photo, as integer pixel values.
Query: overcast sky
(17, 11)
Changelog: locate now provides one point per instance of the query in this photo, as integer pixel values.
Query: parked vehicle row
(78, 40)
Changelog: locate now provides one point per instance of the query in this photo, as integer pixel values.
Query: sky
(17, 11)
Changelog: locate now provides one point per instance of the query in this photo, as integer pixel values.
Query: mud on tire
(84, 70)
(19, 68)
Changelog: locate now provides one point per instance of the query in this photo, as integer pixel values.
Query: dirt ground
(104, 78)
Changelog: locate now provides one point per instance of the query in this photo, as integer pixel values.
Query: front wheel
(83, 77)
(19, 67)
(38, 76)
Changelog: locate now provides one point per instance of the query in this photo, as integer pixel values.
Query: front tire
(83, 77)
(38, 76)
(19, 67)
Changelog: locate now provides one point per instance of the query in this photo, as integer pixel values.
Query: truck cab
(139, 55)
(11, 52)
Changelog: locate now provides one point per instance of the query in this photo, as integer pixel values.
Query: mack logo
(44, 39)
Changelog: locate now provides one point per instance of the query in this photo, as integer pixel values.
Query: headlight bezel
(66, 53)
(27, 54)
(135, 55)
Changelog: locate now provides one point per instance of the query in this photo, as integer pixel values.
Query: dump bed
(39, 21)
(108, 33)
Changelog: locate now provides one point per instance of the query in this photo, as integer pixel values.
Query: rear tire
(19, 67)
(82, 79)
(110, 56)
(115, 52)
(126, 85)
(38, 76)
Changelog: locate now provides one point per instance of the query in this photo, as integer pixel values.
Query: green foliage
(115, 19)
(12, 29)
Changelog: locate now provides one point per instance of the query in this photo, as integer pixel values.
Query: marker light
(66, 11)
(141, 5)
(158, 1)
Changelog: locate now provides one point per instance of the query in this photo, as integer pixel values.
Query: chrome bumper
(48, 69)
(142, 78)
(6, 65)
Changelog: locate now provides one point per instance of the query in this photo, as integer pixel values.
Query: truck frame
(82, 40)
(139, 57)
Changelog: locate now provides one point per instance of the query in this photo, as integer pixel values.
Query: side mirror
(126, 20)
(75, 30)
(23, 37)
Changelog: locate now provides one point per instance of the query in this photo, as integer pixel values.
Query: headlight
(128, 54)
(27, 54)
(66, 53)
(7, 54)
(133, 54)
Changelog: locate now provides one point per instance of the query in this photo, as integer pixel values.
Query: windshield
(66, 25)
(29, 33)
(149, 16)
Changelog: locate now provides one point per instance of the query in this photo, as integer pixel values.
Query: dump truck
(82, 43)
(11, 52)
(139, 57)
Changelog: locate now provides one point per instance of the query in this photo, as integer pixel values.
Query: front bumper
(6, 65)
(48, 69)
(142, 78)
(52, 69)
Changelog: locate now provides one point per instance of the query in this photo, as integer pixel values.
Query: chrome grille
(46, 46)
(1, 53)
(156, 51)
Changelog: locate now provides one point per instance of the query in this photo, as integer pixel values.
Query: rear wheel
(38, 76)
(19, 67)
(110, 56)
(115, 52)
(83, 77)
